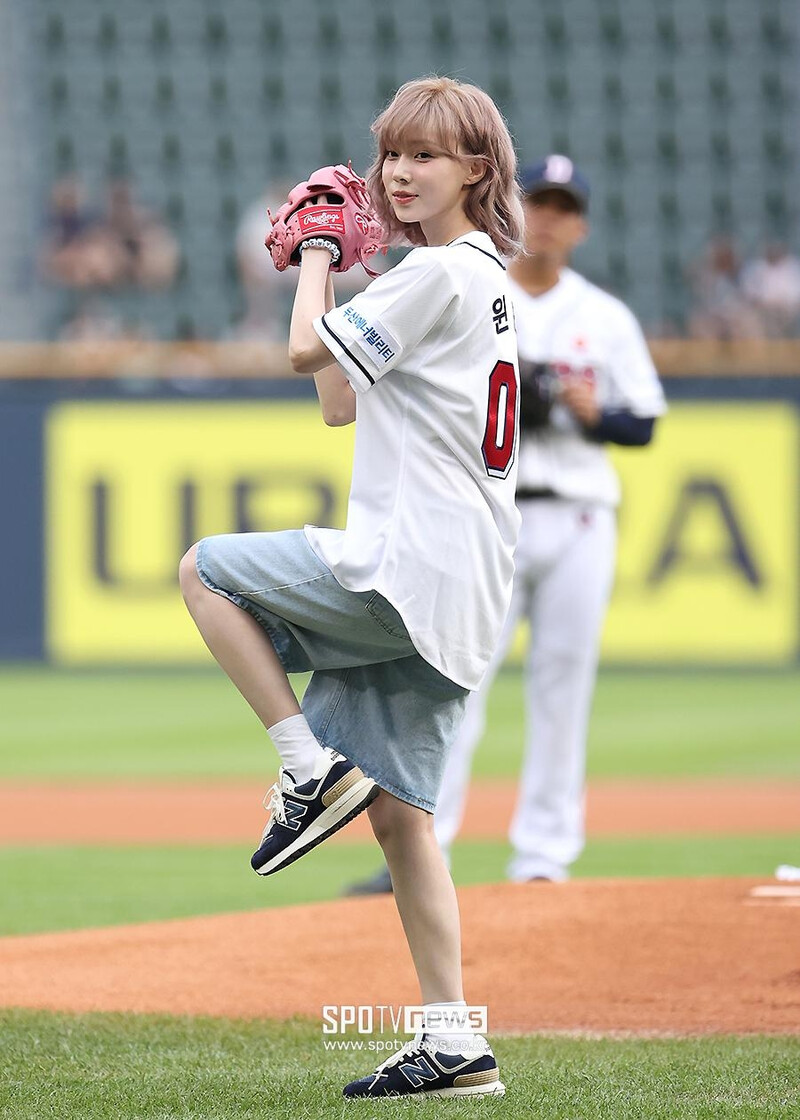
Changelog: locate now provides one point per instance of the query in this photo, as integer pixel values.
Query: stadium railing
(674, 358)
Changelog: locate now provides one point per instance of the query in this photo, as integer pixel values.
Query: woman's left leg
(424, 893)
(443, 1059)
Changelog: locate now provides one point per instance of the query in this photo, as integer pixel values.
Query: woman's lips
(403, 199)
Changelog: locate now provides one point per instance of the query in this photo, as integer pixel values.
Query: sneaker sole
(495, 1089)
(344, 810)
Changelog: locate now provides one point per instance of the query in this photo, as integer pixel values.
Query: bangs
(418, 112)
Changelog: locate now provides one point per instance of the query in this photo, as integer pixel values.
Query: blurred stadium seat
(679, 111)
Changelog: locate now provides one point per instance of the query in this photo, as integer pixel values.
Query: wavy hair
(465, 123)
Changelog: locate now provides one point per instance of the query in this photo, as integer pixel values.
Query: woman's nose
(402, 169)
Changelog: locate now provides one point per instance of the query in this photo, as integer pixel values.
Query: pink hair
(465, 123)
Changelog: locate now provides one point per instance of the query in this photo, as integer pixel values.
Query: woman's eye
(391, 155)
(424, 155)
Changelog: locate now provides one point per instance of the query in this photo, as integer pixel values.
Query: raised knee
(187, 572)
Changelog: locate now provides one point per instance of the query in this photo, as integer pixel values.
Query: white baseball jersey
(430, 350)
(582, 331)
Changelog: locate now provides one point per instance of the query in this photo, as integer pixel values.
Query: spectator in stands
(772, 285)
(720, 310)
(92, 322)
(268, 294)
(128, 246)
(148, 253)
(76, 252)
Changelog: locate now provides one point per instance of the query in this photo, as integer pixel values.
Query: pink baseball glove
(348, 218)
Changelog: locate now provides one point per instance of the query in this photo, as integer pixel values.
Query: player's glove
(538, 384)
(348, 219)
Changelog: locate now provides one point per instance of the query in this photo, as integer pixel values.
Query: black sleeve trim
(351, 356)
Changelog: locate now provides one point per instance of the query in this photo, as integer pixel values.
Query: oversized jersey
(582, 332)
(430, 350)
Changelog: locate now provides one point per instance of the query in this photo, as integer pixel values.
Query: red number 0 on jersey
(500, 437)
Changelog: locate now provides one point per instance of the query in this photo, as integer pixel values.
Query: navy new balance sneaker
(303, 816)
(420, 1069)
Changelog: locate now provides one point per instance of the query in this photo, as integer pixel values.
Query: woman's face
(427, 185)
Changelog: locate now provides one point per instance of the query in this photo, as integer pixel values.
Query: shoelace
(415, 1044)
(273, 802)
(273, 798)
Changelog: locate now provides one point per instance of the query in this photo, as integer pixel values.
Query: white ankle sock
(451, 1041)
(300, 752)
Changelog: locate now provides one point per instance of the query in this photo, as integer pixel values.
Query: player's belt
(524, 495)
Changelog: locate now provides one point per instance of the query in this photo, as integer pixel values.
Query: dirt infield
(639, 956)
(226, 813)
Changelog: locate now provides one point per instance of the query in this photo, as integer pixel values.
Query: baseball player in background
(587, 380)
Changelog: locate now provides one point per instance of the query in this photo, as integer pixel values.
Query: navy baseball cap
(557, 173)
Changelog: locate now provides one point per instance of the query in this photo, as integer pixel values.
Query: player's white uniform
(432, 522)
(564, 569)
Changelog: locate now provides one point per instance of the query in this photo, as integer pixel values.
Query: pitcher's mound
(663, 956)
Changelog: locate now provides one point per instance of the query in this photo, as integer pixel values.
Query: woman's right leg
(304, 618)
(240, 646)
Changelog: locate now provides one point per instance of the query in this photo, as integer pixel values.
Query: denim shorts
(371, 696)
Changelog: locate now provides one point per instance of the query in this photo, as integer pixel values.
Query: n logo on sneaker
(294, 812)
(418, 1071)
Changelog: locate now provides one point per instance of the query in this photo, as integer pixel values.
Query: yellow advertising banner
(131, 486)
(708, 554)
(707, 568)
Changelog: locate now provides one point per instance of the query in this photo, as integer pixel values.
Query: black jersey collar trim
(462, 240)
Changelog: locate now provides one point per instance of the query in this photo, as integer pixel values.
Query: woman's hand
(307, 353)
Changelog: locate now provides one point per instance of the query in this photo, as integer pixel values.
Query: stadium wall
(102, 494)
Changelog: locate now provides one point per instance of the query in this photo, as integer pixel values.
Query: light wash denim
(371, 696)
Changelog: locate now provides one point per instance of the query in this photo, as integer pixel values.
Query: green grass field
(193, 725)
(183, 726)
(48, 888)
(114, 1067)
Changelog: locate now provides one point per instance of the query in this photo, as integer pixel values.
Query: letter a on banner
(705, 493)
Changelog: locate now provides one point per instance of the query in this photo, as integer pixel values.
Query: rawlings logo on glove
(314, 218)
(347, 217)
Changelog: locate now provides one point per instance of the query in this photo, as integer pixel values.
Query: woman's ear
(475, 172)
